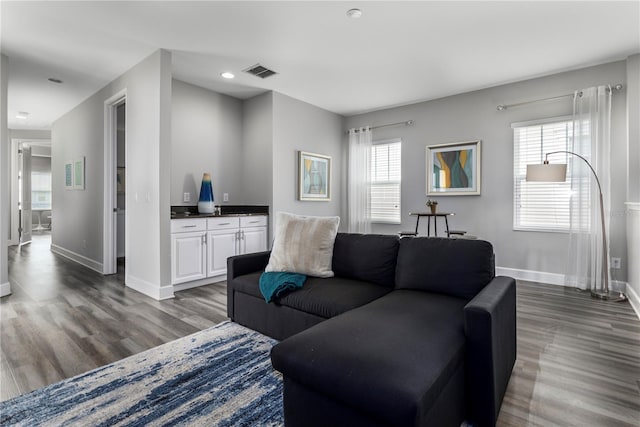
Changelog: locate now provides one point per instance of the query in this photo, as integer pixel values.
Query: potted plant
(433, 205)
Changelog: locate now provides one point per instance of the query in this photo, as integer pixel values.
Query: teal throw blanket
(273, 284)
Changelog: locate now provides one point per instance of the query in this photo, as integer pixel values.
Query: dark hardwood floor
(63, 319)
(578, 358)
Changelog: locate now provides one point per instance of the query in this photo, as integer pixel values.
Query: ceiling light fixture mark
(354, 13)
(227, 75)
(54, 80)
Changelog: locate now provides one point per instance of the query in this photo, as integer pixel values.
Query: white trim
(532, 276)
(109, 218)
(5, 289)
(202, 282)
(634, 299)
(633, 206)
(80, 259)
(149, 289)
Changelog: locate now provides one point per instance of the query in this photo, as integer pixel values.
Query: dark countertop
(184, 212)
(186, 216)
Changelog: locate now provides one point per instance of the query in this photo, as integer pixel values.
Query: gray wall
(29, 134)
(206, 136)
(78, 215)
(298, 126)
(473, 116)
(257, 150)
(5, 287)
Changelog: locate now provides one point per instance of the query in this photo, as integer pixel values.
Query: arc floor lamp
(547, 172)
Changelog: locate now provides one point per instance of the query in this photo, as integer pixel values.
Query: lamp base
(608, 296)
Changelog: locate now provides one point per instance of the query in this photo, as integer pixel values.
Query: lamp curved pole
(605, 255)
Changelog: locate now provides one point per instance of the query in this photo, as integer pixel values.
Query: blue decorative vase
(205, 202)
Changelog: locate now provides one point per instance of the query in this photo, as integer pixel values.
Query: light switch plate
(186, 197)
(225, 197)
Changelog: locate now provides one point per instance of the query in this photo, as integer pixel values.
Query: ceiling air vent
(260, 71)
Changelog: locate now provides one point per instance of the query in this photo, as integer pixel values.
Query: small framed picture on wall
(314, 177)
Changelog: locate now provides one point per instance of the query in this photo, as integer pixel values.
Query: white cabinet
(253, 234)
(188, 249)
(222, 242)
(200, 246)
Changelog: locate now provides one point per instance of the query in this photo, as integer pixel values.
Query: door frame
(109, 227)
(14, 214)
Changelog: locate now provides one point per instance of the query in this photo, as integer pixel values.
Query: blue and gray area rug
(221, 376)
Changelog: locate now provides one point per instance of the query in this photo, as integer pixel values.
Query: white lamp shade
(547, 172)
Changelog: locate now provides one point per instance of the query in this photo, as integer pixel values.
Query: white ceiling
(397, 53)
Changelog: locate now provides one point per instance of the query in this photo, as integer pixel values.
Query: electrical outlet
(186, 197)
(615, 263)
(225, 197)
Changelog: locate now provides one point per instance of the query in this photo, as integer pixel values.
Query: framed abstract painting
(453, 169)
(314, 177)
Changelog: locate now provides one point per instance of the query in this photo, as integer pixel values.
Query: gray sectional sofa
(409, 332)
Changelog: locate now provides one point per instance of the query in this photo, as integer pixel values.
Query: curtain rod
(503, 107)
(405, 123)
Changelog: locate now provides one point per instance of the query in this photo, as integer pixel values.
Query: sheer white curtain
(359, 177)
(591, 140)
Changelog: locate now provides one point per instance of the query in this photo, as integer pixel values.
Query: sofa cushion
(368, 257)
(303, 244)
(455, 267)
(389, 359)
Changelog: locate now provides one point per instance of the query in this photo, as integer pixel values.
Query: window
(385, 182)
(541, 206)
(40, 190)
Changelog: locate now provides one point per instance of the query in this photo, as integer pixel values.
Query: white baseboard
(558, 279)
(80, 259)
(149, 289)
(634, 299)
(197, 283)
(531, 276)
(5, 289)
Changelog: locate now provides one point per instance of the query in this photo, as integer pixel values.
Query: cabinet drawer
(253, 221)
(188, 225)
(223, 222)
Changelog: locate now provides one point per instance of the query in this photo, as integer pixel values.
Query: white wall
(206, 136)
(5, 287)
(473, 115)
(78, 215)
(633, 189)
(298, 126)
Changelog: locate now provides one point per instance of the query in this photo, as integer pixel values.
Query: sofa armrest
(239, 265)
(490, 329)
(244, 264)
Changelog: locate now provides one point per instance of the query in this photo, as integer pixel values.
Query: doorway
(115, 180)
(31, 191)
(121, 175)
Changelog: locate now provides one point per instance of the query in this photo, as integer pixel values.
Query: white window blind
(385, 182)
(41, 190)
(541, 206)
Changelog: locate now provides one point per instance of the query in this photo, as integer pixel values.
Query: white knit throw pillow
(304, 244)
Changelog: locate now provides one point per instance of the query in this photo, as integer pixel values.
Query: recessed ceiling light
(354, 13)
(54, 80)
(227, 75)
(22, 115)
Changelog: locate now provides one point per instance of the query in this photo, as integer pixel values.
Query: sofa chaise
(409, 332)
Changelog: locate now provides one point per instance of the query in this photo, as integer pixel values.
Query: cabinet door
(253, 239)
(188, 257)
(221, 244)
